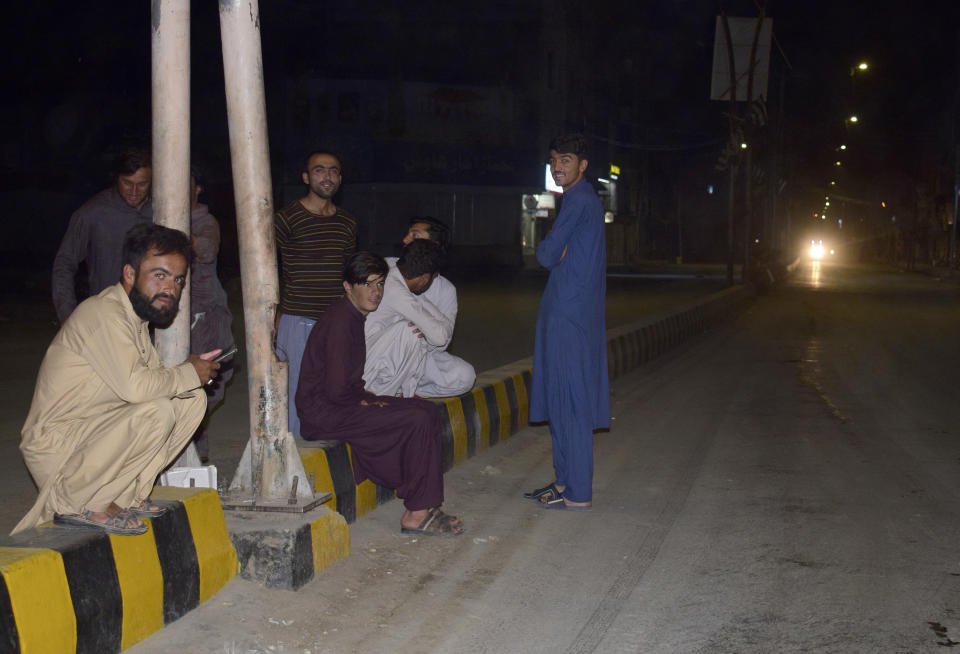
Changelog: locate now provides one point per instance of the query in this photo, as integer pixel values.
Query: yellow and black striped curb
(82, 591)
(632, 345)
(498, 406)
(286, 550)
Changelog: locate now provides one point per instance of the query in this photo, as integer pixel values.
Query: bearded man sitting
(106, 418)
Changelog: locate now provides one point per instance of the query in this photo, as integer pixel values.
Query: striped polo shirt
(312, 250)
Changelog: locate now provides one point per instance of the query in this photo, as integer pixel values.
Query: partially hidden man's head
(428, 228)
(568, 159)
(197, 184)
(364, 274)
(322, 173)
(155, 270)
(419, 264)
(132, 172)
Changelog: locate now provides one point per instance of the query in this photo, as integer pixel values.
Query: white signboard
(741, 33)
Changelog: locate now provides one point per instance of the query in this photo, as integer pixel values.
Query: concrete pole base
(275, 459)
(286, 551)
(188, 458)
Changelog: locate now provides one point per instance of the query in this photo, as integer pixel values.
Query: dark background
(467, 95)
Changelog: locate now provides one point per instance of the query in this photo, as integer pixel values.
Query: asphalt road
(786, 483)
(495, 326)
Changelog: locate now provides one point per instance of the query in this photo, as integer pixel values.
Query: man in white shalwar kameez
(106, 418)
(407, 336)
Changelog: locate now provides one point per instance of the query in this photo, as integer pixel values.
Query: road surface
(785, 483)
(495, 326)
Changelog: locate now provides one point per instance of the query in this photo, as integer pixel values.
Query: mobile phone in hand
(225, 355)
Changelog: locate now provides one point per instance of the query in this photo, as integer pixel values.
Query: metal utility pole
(731, 192)
(953, 228)
(271, 475)
(748, 167)
(170, 63)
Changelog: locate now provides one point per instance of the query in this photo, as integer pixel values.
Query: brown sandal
(117, 524)
(147, 509)
(437, 523)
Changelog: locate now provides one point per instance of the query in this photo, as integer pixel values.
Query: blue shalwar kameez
(570, 385)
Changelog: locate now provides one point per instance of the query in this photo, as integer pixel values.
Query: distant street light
(861, 67)
(743, 146)
(852, 119)
(836, 163)
(843, 147)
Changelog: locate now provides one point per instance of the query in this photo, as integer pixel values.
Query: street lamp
(853, 119)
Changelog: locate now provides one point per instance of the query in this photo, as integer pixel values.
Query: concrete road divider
(78, 591)
(69, 590)
(498, 406)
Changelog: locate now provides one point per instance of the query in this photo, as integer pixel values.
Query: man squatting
(106, 418)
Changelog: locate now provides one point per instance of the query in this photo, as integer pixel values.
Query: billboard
(742, 31)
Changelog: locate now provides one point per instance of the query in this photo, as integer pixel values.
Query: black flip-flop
(559, 505)
(537, 493)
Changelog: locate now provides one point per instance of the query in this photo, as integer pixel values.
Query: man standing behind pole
(570, 387)
(96, 229)
(314, 238)
(211, 322)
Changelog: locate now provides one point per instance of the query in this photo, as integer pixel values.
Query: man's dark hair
(198, 175)
(570, 144)
(438, 231)
(360, 265)
(421, 256)
(130, 161)
(306, 160)
(146, 236)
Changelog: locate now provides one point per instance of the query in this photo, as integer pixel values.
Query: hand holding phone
(223, 356)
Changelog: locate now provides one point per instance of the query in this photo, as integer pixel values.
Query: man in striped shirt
(314, 238)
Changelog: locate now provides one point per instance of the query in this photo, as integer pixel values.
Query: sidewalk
(495, 326)
(493, 411)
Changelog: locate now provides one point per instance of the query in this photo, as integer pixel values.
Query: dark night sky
(77, 77)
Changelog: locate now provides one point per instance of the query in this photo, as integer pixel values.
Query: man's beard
(146, 311)
(319, 191)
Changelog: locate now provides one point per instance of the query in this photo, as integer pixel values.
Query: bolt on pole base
(240, 501)
(271, 477)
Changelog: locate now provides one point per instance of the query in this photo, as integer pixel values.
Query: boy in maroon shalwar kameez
(396, 442)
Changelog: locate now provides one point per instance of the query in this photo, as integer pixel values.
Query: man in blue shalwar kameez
(570, 385)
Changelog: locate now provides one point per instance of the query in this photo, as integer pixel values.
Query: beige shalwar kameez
(106, 418)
